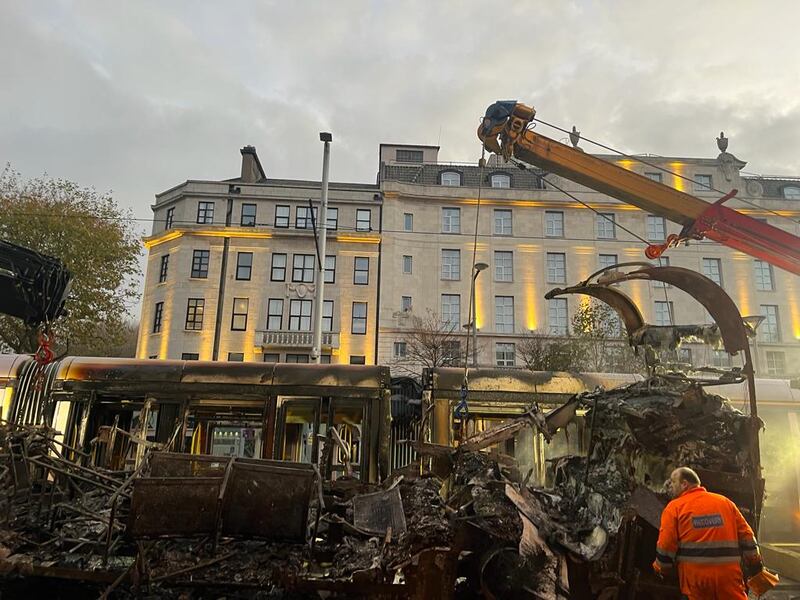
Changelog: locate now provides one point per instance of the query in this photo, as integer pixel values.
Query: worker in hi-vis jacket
(706, 536)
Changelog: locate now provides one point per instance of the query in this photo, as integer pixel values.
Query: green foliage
(97, 242)
(595, 344)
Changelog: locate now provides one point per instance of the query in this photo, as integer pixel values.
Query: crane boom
(505, 131)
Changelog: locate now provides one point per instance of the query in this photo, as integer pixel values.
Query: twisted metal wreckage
(459, 522)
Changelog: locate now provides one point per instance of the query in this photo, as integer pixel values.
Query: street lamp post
(322, 227)
(475, 272)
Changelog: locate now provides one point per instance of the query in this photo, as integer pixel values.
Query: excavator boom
(505, 131)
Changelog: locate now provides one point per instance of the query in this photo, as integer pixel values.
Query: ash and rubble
(471, 528)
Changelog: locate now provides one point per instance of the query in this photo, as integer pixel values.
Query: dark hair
(688, 475)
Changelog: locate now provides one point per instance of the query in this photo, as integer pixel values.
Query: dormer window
(451, 178)
(791, 192)
(409, 156)
(501, 180)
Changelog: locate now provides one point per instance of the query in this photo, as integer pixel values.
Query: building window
(451, 220)
(720, 358)
(282, 214)
(303, 268)
(554, 223)
(405, 303)
(607, 260)
(330, 269)
(299, 315)
(654, 176)
(244, 265)
(190, 356)
(656, 228)
(500, 180)
(359, 324)
(157, 316)
(685, 356)
(302, 217)
(504, 314)
(200, 263)
(663, 313)
(503, 265)
(451, 178)
(278, 270)
(451, 264)
(791, 192)
(162, 273)
(168, 221)
(504, 355)
(451, 310)
(358, 360)
(235, 356)
(770, 328)
(332, 221)
(194, 314)
(712, 268)
(327, 316)
(400, 350)
(271, 357)
(451, 352)
(407, 264)
(556, 267)
(248, 215)
(557, 313)
(606, 226)
(408, 222)
(702, 183)
(239, 317)
(363, 219)
(297, 358)
(205, 213)
(274, 314)
(502, 221)
(763, 271)
(361, 270)
(776, 363)
(405, 155)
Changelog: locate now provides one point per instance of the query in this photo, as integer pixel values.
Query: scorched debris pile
(474, 529)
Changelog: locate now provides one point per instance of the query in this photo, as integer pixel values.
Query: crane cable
(665, 170)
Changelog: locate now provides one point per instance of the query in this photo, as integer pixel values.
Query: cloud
(138, 97)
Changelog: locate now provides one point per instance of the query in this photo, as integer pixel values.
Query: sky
(136, 97)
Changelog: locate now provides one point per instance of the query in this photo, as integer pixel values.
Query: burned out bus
(111, 409)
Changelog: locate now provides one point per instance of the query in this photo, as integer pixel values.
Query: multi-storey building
(231, 270)
(404, 247)
(534, 238)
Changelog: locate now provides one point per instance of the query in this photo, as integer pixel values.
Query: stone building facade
(413, 255)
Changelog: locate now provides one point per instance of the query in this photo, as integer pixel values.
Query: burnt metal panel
(267, 499)
(10, 366)
(517, 384)
(175, 464)
(356, 381)
(620, 302)
(174, 506)
(376, 512)
(220, 372)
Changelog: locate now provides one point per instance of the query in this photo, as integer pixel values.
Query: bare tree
(429, 343)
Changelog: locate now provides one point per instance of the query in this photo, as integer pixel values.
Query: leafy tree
(93, 237)
(595, 344)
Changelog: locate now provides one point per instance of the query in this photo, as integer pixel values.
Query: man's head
(682, 479)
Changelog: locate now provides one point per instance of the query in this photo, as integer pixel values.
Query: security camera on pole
(321, 228)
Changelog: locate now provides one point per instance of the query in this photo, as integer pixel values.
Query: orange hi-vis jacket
(707, 537)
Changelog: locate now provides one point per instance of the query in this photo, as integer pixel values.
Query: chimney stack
(252, 172)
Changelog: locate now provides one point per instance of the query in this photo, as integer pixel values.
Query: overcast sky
(139, 96)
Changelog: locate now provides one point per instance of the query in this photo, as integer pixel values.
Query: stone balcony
(297, 339)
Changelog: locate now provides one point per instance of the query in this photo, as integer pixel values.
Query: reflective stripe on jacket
(703, 528)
